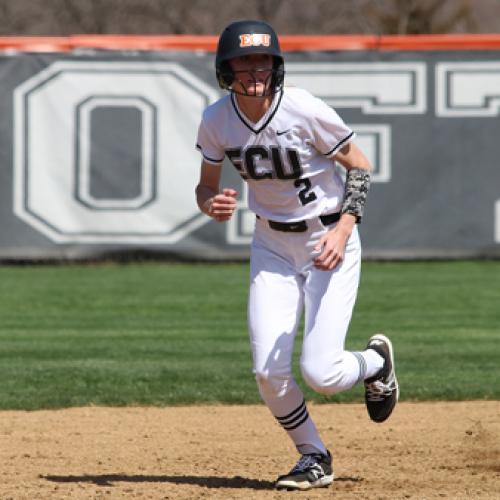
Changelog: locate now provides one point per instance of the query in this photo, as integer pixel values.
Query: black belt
(301, 225)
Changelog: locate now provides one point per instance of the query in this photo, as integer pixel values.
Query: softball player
(305, 252)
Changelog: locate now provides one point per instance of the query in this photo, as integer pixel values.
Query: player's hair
(248, 37)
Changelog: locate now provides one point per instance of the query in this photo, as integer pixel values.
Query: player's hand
(223, 205)
(331, 246)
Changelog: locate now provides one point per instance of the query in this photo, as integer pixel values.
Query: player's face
(253, 74)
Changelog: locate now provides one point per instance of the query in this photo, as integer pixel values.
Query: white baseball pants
(283, 283)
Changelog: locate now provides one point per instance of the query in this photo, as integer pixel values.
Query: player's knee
(315, 378)
(272, 385)
(326, 378)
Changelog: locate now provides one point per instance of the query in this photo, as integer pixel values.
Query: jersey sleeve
(207, 142)
(329, 131)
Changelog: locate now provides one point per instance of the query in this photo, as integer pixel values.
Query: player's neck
(254, 108)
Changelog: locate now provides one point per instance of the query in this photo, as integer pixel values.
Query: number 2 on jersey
(305, 195)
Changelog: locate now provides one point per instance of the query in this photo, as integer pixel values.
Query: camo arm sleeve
(356, 189)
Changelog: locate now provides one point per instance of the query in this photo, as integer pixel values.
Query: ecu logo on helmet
(255, 40)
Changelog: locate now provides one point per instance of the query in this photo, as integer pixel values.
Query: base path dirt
(425, 451)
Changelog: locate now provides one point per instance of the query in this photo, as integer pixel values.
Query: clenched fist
(222, 206)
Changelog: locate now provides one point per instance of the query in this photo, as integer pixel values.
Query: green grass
(158, 333)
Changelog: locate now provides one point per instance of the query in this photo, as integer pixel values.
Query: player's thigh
(329, 301)
(274, 310)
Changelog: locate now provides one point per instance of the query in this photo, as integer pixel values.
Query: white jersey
(286, 158)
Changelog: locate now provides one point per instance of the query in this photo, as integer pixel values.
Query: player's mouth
(255, 88)
(257, 84)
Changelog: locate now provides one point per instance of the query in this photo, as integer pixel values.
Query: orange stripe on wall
(288, 42)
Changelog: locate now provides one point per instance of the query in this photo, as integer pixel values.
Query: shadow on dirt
(206, 481)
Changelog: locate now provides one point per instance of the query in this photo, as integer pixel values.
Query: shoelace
(378, 391)
(305, 462)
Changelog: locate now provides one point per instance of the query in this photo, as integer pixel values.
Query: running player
(305, 252)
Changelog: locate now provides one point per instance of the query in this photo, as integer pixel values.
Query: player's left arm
(332, 244)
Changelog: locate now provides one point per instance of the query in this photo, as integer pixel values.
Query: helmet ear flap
(225, 75)
(278, 73)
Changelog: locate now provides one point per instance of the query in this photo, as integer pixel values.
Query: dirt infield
(435, 450)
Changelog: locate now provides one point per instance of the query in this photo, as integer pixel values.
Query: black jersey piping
(345, 139)
(207, 157)
(271, 116)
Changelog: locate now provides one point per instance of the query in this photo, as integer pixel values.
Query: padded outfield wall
(97, 150)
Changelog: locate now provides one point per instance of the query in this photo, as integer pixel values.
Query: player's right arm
(218, 205)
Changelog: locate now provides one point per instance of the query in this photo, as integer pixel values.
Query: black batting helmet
(248, 37)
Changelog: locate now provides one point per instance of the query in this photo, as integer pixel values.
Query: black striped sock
(294, 418)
